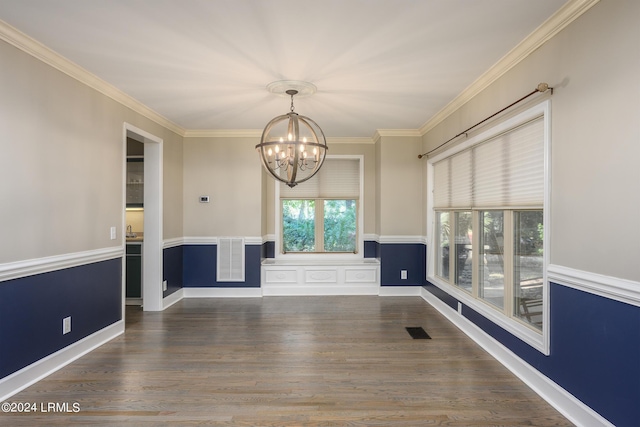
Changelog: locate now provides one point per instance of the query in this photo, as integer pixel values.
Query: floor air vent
(417, 333)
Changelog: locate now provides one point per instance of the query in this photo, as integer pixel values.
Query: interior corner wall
(378, 163)
(400, 177)
(401, 247)
(172, 181)
(593, 65)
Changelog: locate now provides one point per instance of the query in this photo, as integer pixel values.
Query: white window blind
(337, 179)
(507, 170)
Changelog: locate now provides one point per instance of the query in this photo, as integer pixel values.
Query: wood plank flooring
(288, 361)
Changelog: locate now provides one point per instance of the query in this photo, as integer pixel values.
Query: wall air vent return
(230, 259)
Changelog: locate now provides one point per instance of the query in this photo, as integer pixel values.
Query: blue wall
(595, 349)
(395, 257)
(172, 266)
(199, 262)
(32, 309)
(371, 249)
(268, 249)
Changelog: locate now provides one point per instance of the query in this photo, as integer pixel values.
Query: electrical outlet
(403, 274)
(164, 285)
(66, 325)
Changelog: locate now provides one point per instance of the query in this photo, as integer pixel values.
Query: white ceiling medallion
(281, 87)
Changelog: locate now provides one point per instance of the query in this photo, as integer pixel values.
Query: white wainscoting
(287, 278)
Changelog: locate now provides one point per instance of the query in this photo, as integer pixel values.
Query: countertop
(139, 238)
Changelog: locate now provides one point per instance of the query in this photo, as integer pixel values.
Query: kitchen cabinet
(135, 182)
(134, 270)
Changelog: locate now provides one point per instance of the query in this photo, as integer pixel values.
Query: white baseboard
(272, 290)
(221, 292)
(567, 404)
(400, 291)
(33, 373)
(172, 299)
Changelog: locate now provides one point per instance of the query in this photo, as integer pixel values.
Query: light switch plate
(113, 233)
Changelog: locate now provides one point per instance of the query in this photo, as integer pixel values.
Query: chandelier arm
(323, 145)
(294, 131)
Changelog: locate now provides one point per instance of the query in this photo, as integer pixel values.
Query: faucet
(129, 230)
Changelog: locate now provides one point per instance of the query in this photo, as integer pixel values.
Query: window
(488, 203)
(322, 215)
(334, 231)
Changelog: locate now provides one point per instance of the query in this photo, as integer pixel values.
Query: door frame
(152, 245)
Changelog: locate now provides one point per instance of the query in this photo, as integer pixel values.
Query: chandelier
(292, 147)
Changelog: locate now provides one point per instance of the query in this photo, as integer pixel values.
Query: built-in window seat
(320, 276)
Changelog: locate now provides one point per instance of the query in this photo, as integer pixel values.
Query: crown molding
(563, 17)
(39, 51)
(257, 133)
(223, 133)
(349, 140)
(397, 132)
(558, 21)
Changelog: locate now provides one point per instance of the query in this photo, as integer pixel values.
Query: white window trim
(539, 341)
(327, 255)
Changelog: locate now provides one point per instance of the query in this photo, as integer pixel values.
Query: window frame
(319, 217)
(359, 254)
(538, 340)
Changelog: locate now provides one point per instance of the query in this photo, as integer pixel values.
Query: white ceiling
(205, 64)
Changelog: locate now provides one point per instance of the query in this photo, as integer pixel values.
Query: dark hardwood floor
(288, 361)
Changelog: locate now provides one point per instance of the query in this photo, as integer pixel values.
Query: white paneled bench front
(320, 277)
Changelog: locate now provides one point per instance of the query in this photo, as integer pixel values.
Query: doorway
(152, 241)
(134, 220)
